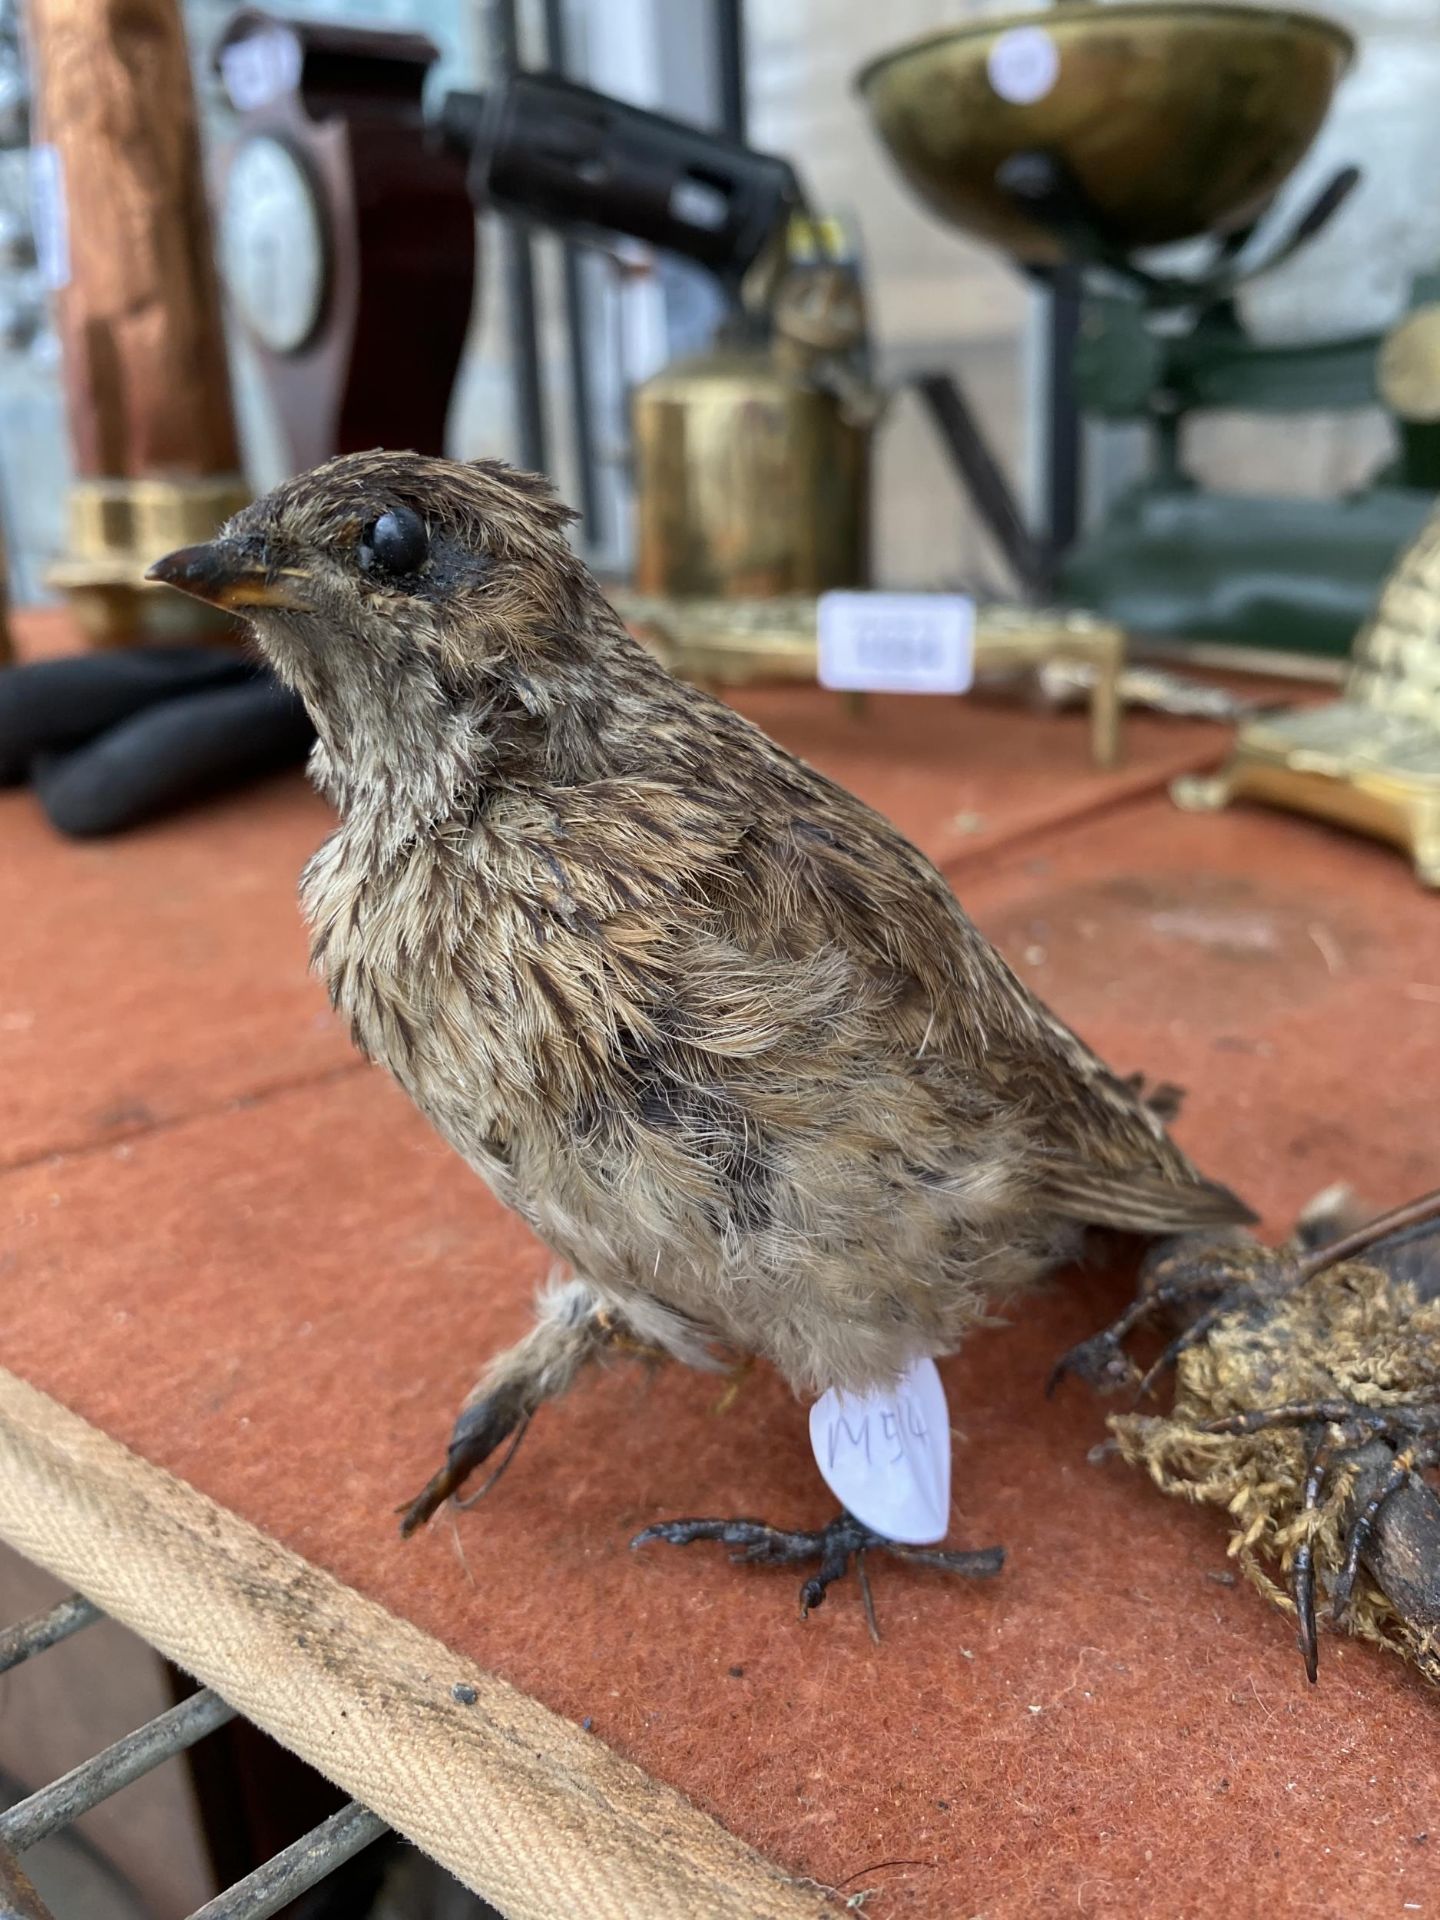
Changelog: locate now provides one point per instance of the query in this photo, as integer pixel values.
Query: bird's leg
(1398, 1423)
(1176, 1277)
(739, 1373)
(1233, 1273)
(1362, 1527)
(1302, 1570)
(573, 1326)
(832, 1548)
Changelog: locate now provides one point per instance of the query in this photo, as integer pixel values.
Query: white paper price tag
(261, 67)
(886, 1456)
(49, 218)
(897, 642)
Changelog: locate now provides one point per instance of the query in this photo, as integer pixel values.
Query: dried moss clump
(1309, 1414)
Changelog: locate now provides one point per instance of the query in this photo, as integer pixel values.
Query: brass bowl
(1176, 120)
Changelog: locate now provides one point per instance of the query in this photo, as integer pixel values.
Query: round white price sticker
(1024, 65)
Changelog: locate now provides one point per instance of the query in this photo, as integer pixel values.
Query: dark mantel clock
(347, 237)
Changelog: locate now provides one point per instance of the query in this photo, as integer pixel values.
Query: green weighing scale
(1078, 140)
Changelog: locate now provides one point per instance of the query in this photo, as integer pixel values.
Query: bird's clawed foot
(478, 1431)
(1337, 1431)
(1201, 1283)
(574, 1325)
(1162, 1097)
(832, 1548)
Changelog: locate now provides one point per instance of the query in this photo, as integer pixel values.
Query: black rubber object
(109, 740)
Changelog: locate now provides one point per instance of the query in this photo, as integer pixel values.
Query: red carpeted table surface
(239, 1250)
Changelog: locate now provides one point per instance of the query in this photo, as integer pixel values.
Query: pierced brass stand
(1370, 760)
(735, 643)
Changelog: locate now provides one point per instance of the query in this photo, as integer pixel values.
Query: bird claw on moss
(1101, 1362)
(1307, 1404)
(1402, 1439)
(1175, 1278)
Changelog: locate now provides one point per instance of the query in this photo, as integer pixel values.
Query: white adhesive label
(259, 68)
(1024, 65)
(896, 642)
(49, 217)
(886, 1456)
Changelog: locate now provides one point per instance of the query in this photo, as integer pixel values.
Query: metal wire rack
(293, 1871)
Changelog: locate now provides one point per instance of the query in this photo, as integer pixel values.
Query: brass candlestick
(147, 384)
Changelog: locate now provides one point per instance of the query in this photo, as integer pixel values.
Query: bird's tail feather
(1142, 1202)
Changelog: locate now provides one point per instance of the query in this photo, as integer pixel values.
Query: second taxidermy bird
(714, 1028)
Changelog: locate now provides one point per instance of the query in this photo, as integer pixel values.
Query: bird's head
(406, 596)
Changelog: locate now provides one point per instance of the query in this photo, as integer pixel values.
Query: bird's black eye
(396, 543)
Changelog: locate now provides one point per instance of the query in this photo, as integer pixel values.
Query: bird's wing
(1106, 1159)
(791, 873)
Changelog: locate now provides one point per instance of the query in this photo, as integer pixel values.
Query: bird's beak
(234, 574)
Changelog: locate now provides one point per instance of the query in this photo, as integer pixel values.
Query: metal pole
(517, 277)
(576, 323)
(730, 64)
(298, 1868)
(983, 479)
(67, 1616)
(74, 1793)
(1062, 416)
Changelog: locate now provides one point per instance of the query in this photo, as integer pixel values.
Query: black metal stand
(980, 474)
(517, 272)
(730, 50)
(577, 330)
(1064, 429)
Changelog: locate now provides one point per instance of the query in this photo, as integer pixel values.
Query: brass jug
(752, 460)
(751, 480)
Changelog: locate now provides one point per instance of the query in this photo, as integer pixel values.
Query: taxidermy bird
(712, 1027)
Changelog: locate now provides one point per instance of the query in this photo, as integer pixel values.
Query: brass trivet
(732, 643)
(1370, 760)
